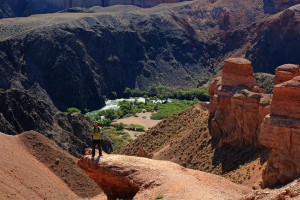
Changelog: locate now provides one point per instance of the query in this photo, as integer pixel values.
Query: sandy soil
(147, 122)
(23, 177)
(33, 167)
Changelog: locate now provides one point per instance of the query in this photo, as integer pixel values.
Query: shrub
(73, 110)
(136, 127)
(119, 126)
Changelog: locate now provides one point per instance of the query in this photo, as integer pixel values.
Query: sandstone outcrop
(240, 114)
(280, 131)
(237, 105)
(286, 72)
(129, 177)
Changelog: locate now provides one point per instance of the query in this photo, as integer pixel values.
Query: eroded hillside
(32, 167)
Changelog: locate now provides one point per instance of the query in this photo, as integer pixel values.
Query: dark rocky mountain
(277, 41)
(21, 112)
(21, 8)
(75, 59)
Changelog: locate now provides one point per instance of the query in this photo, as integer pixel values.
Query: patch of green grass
(160, 196)
(171, 108)
(136, 127)
(73, 110)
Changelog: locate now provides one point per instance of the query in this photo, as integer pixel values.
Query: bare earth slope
(32, 167)
(141, 178)
(184, 139)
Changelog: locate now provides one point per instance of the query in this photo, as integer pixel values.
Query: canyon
(75, 59)
(79, 56)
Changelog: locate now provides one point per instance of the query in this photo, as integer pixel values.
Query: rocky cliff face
(273, 6)
(275, 38)
(75, 59)
(240, 114)
(20, 112)
(237, 105)
(280, 131)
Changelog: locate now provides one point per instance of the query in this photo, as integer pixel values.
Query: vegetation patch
(118, 138)
(73, 110)
(164, 92)
(136, 127)
(168, 109)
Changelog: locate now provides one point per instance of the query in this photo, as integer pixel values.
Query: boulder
(286, 72)
(238, 72)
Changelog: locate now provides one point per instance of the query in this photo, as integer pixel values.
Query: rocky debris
(143, 153)
(128, 177)
(290, 191)
(21, 112)
(277, 41)
(286, 72)
(280, 131)
(237, 105)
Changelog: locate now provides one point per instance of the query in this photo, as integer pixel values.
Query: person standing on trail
(96, 135)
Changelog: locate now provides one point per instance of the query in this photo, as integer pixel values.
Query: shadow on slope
(184, 139)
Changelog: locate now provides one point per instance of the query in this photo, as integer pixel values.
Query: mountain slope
(77, 58)
(19, 112)
(25, 177)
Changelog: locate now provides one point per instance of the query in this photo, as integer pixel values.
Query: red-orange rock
(238, 72)
(280, 131)
(286, 72)
(130, 177)
(286, 99)
(237, 106)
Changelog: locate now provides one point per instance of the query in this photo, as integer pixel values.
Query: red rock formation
(129, 177)
(281, 132)
(286, 72)
(238, 72)
(241, 115)
(237, 105)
